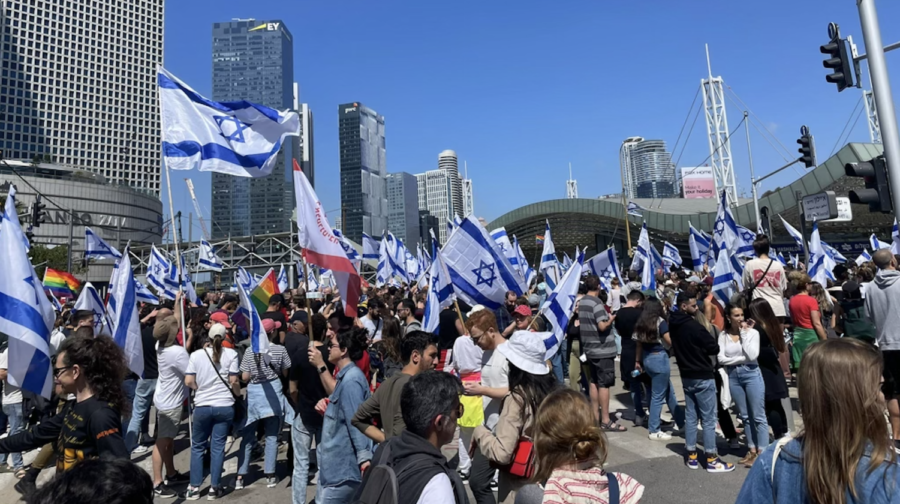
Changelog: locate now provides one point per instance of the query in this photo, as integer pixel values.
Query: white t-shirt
(466, 356)
(210, 389)
(56, 339)
(438, 490)
(771, 287)
(494, 374)
(374, 327)
(170, 390)
(11, 393)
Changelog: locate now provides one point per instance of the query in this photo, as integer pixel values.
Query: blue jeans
(656, 364)
(16, 425)
(556, 362)
(749, 394)
(140, 411)
(271, 425)
(128, 387)
(700, 400)
(210, 422)
(301, 437)
(637, 397)
(339, 494)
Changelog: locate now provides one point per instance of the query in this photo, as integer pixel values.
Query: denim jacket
(343, 446)
(879, 487)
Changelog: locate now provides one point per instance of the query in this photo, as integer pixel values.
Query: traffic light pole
(881, 88)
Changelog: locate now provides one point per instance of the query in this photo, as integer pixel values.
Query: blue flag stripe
(461, 284)
(166, 83)
(508, 278)
(215, 151)
(21, 313)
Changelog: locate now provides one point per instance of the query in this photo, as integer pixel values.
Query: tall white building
(647, 169)
(79, 86)
(447, 162)
(436, 196)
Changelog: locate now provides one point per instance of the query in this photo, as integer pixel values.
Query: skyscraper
(363, 171)
(254, 61)
(436, 195)
(403, 207)
(79, 86)
(448, 163)
(647, 169)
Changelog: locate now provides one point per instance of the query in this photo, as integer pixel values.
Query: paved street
(657, 465)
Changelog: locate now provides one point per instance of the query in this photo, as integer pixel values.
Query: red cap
(522, 310)
(221, 318)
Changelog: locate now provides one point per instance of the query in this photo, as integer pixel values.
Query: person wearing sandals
(598, 345)
(652, 332)
(530, 381)
(212, 373)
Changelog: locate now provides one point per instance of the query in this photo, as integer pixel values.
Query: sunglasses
(60, 370)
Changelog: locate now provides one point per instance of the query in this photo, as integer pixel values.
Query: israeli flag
(699, 245)
(236, 138)
(157, 274)
(863, 258)
(26, 314)
(396, 255)
(245, 279)
(642, 253)
(605, 266)
(259, 341)
(282, 279)
(351, 252)
(188, 287)
(795, 260)
(310, 284)
(818, 265)
(143, 294)
(725, 232)
(326, 278)
(878, 244)
(412, 266)
(796, 235)
(834, 254)
(725, 277)
(527, 271)
(384, 272)
(635, 209)
(744, 242)
(567, 261)
(480, 273)
(371, 248)
(502, 240)
(126, 324)
(90, 300)
(670, 255)
(96, 248)
(648, 273)
(549, 262)
(781, 259)
(208, 259)
(440, 292)
(560, 305)
(56, 304)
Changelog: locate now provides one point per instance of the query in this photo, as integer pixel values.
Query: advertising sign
(698, 182)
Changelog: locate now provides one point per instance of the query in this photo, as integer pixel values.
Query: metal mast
(717, 131)
(571, 185)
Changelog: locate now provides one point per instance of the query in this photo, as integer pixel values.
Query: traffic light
(38, 212)
(839, 59)
(877, 193)
(807, 148)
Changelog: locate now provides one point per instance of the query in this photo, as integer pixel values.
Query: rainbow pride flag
(265, 289)
(60, 283)
(539, 239)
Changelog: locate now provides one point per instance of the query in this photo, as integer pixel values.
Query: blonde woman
(844, 453)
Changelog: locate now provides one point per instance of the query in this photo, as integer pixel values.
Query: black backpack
(381, 483)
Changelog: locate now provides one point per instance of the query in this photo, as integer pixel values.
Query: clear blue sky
(520, 89)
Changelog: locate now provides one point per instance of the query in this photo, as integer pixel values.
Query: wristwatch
(322, 369)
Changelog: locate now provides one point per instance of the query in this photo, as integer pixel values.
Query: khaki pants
(576, 367)
(44, 458)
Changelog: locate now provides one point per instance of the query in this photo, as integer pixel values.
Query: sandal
(612, 426)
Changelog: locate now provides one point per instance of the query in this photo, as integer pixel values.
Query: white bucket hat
(526, 351)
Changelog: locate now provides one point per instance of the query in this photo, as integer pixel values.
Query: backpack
(381, 484)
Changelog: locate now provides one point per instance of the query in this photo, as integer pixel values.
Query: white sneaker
(660, 436)
(141, 449)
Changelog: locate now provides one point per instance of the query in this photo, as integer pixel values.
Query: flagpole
(308, 305)
(459, 313)
(627, 227)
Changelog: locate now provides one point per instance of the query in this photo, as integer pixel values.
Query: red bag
(522, 464)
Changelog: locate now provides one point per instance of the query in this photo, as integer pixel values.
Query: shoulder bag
(748, 292)
(522, 463)
(240, 408)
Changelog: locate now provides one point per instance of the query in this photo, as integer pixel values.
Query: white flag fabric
(502, 240)
(480, 273)
(648, 272)
(236, 138)
(157, 274)
(371, 247)
(796, 235)
(699, 245)
(863, 258)
(90, 300)
(259, 342)
(895, 238)
(282, 279)
(878, 244)
(245, 279)
(26, 314)
(781, 259)
(309, 283)
(635, 209)
(642, 253)
(351, 252)
(526, 269)
(188, 287)
(440, 292)
(670, 255)
(560, 304)
(549, 263)
(143, 293)
(384, 271)
(605, 266)
(817, 267)
(126, 324)
(725, 277)
(725, 231)
(96, 248)
(795, 261)
(744, 242)
(208, 259)
(320, 246)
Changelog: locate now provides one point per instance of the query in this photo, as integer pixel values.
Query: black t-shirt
(626, 318)
(148, 342)
(310, 389)
(447, 332)
(277, 316)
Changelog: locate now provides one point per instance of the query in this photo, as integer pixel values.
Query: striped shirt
(277, 358)
(589, 486)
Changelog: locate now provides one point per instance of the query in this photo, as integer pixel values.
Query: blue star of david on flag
(237, 130)
(481, 277)
(720, 226)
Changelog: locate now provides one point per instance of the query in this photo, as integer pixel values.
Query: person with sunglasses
(92, 369)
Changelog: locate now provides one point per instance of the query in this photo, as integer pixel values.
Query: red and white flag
(320, 246)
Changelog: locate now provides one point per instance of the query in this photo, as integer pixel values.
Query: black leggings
(776, 418)
(480, 476)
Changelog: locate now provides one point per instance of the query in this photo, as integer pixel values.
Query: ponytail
(217, 348)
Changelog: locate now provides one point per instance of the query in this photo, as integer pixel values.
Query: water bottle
(635, 373)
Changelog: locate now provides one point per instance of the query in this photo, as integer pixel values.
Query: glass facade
(652, 171)
(254, 61)
(403, 207)
(363, 171)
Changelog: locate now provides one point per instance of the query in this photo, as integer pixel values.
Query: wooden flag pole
(308, 305)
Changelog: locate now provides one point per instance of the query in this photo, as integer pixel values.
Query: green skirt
(802, 339)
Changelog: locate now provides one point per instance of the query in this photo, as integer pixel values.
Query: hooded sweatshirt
(693, 347)
(883, 307)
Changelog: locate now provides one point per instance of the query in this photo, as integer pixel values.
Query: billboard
(698, 182)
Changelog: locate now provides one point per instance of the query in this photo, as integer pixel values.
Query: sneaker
(215, 493)
(271, 481)
(239, 483)
(692, 461)
(660, 436)
(162, 491)
(26, 487)
(640, 421)
(141, 449)
(716, 465)
(178, 477)
(494, 486)
(191, 493)
(464, 475)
